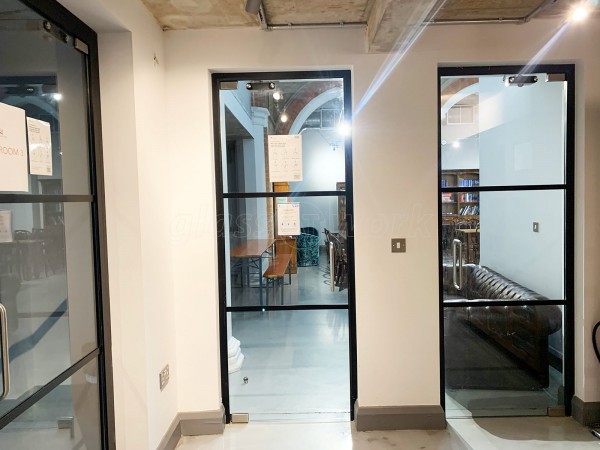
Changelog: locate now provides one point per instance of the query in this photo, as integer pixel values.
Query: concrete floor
(296, 363)
(500, 433)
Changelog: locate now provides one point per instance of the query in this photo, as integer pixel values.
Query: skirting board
(193, 424)
(586, 413)
(370, 418)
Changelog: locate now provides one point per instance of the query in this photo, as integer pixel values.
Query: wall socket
(163, 377)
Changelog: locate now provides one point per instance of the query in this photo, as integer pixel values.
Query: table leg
(260, 279)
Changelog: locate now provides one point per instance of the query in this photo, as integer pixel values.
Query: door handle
(457, 243)
(4, 349)
(332, 266)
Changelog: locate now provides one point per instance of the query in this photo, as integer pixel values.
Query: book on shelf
(467, 183)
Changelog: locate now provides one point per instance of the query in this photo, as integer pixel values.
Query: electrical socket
(163, 377)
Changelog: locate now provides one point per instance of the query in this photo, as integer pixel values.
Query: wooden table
(251, 252)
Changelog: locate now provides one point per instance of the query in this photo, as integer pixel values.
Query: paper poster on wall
(288, 219)
(6, 226)
(40, 147)
(13, 154)
(285, 158)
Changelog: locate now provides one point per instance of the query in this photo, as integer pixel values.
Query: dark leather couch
(522, 331)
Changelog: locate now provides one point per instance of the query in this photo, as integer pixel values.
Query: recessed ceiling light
(277, 95)
(284, 118)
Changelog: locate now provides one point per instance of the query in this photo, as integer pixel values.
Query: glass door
(49, 277)
(286, 245)
(506, 246)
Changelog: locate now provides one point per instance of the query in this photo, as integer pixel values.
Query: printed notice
(285, 158)
(40, 147)
(6, 226)
(13, 153)
(288, 219)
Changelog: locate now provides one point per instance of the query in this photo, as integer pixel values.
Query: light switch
(536, 227)
(398, 245)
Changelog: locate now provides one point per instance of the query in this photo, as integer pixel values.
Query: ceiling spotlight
(277, 95)
(284, 118)
(579, 13)
(57, 96)
(253, 6)
(455, 144)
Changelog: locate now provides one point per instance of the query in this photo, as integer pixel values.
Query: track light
(253, 6)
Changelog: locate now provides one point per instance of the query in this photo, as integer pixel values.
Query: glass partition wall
(284, 190)
(52, 348)
(506, 240)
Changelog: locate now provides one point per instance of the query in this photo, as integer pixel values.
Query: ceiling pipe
(310, 26)
(472, 21)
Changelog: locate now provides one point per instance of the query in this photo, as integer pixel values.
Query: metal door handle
(332, 266)
(4, 349)
(457, 243)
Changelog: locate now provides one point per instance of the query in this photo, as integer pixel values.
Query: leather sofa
(522, 331)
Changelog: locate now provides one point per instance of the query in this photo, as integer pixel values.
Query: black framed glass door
(284, 205)
(53, 363)
(506, 240)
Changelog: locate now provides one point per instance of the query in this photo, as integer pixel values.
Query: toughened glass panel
(66, 418)
(503, 360)
(268, 265)
(311, 109)
(47, 78)
(511, 244)
(290, 362)
(510, 135)
(47, 287)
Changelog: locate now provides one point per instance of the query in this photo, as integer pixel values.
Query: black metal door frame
(217, 78)
(72, 27)
(569, 225)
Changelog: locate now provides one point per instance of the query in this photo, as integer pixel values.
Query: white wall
(139, 217)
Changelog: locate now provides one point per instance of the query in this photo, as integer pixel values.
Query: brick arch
(301, 99)
(455, 86)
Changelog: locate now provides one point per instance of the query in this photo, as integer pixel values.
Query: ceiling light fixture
(277, 95)
(283, 118)
(455, 144)
(57, 96)
(253, 6)
(344, 128)
(579, 13)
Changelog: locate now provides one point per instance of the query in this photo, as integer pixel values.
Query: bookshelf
(460, 206)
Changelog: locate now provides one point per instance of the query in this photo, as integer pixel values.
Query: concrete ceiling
(388, 21)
